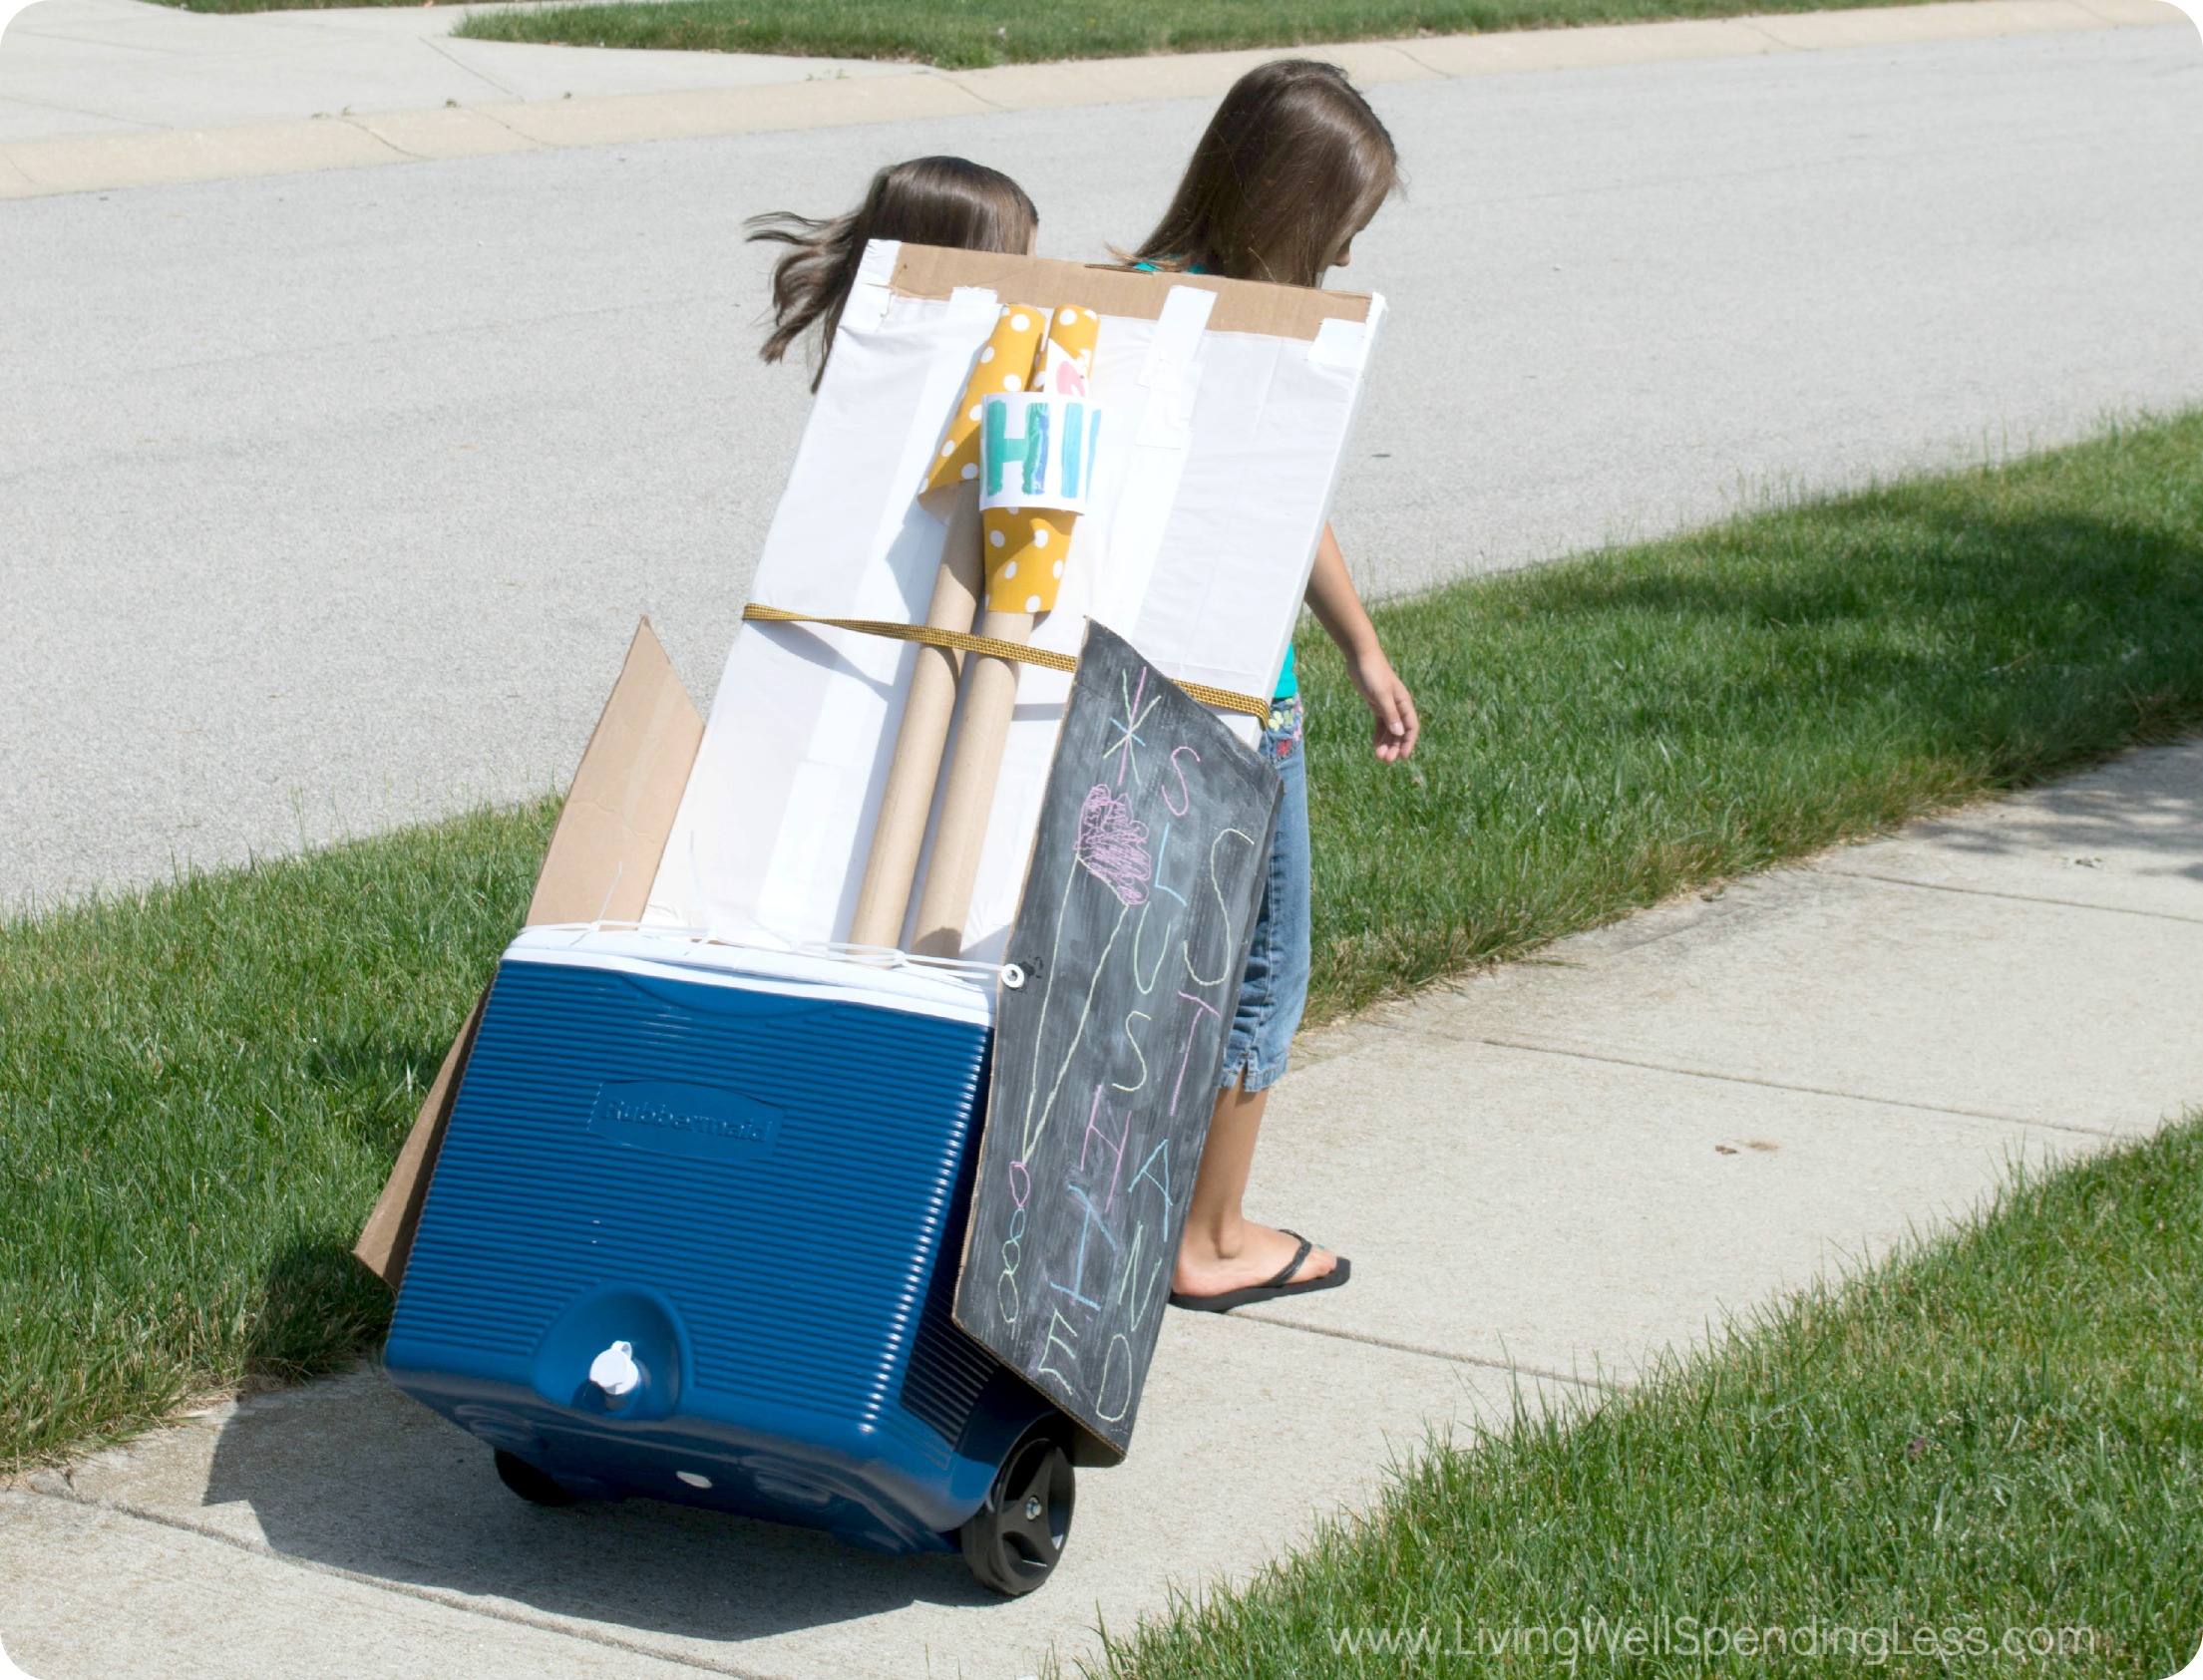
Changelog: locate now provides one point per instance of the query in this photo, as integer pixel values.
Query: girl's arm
(1340, 610)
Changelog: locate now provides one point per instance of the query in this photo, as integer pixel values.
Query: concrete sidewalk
(1545, 1175)
(77, 67)
(97, 95)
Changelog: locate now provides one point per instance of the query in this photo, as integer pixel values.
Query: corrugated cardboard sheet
(1241, 305)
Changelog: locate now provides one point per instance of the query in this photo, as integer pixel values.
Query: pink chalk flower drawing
(1113, 846)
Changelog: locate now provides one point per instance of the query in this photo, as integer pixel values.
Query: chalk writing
(1106, 1061)
(1038, 450)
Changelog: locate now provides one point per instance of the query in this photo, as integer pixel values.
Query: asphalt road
(327, 501)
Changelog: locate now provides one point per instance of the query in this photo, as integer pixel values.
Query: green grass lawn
(1603, 732)
(961, 35)
(1996, 1433)
(201, 1089)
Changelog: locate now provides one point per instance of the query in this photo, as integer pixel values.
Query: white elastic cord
(834, 950)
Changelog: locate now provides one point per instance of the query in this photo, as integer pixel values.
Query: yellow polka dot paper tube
(1026, 550)
(1027, 547)
(1005, 364)
(1070, 352)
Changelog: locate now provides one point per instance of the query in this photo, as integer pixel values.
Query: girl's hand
(1331, 597)
(1396, 728)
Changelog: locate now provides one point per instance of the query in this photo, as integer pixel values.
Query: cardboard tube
(991, 695)
(1026, 550)
(900, 829)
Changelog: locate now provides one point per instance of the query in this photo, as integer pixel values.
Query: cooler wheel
(530, 1483)
(1014, 1540)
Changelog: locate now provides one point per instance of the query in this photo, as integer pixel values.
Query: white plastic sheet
(1202, 526)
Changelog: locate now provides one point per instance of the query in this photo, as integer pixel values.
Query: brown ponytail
(928, 202)
(1293, 165)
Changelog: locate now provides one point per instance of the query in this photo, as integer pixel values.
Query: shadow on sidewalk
(2145, 812)
(351, 1474)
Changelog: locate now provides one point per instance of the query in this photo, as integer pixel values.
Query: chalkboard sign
(1146, 873)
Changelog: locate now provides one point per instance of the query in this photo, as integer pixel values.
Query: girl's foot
(1258, 1255)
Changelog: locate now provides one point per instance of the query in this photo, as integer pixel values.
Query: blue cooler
(693, 1236)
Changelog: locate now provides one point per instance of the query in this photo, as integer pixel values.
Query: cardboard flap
(611, 832)
(383, 1246)
(603, 853)
(1241, 306)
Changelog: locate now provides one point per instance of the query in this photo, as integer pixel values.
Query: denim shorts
(1275, 986)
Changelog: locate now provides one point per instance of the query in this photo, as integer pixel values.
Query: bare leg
(1221, 1248)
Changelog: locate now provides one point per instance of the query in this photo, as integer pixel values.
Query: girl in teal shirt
(1293, 165)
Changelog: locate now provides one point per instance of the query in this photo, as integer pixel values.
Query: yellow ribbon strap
(1021, 653)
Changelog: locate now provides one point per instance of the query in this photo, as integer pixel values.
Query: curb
(38, 169)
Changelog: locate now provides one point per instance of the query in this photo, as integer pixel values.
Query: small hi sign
(1038, 451)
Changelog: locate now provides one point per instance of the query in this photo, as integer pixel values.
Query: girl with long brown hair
(1292, 166)
(927, 201)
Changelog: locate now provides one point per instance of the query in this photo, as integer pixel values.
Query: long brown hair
(928, 200)
(1293, 165)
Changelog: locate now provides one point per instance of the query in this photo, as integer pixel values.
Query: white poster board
(1228, 407)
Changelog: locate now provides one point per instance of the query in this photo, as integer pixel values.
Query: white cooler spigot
(615, 1371)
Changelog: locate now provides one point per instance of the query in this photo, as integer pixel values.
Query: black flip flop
(1277, 1289)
